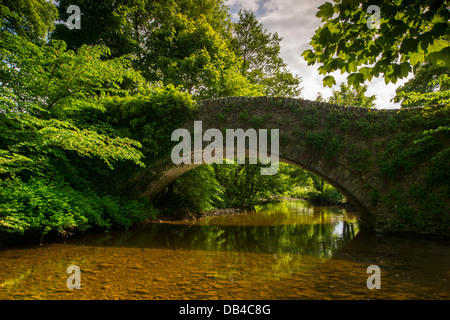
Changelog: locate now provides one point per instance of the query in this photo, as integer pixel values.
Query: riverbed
(287, 250)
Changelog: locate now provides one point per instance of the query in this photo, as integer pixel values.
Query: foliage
(428, 98)
(236, 185)
(244, 185)
(195, 191)
(324, 140)
(406, 153)
(261, 61)
(352, 96)
(42, 119)
(241, 185)
(76, 124)
(69, 117)
(180, 43)
(44, 205)
(125, 26)
(409, 33)
(359, 158)
(54, 148)
(150, 117)
(430, 90)
(192, 55)
(327, 195)
(30, 19)
(102, 23)
(47, 79)
(426, 80)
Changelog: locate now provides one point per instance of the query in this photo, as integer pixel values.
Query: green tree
(261, 61)
(438, 99)
(119, 25)
(427, 80)
(355, 97)
(180, 43)
(52, 146)
(126, 25)
(261, 64)
(31, 19)
(243, 185)
(184, 43)
(190, 54)
(410, 32)
(196, 191)
(45, 88)
(215, 12)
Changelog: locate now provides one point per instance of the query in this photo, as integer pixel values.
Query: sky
(296, 21)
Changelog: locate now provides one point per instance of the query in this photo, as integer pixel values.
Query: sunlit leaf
(326, 11)
(329, 81)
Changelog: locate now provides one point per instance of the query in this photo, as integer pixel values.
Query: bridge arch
(332, 177)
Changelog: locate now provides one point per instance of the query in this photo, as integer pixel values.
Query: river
(287, 250)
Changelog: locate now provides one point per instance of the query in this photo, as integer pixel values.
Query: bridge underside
(173, 172)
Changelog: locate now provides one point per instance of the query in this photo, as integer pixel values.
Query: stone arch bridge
(368, 155)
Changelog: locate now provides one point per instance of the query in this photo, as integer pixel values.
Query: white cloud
(235, 5)
(384, 92)
(295, 22)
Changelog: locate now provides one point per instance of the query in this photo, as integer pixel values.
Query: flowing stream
(287, 250)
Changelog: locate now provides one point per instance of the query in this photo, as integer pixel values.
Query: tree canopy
(180, 43)
(429, 80)
(261, 61)
(352, 96)
(409, 32)
(53, 148)
(31, 19)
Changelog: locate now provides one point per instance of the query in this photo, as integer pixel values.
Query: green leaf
(417, 57)
(439, 29)
(409, 45)
(325, 12)
(441, 57)
(325, 35)
(367, 72)
(329, 81)
(405, 69)
(425, 40)
(358, 45)
(438, 45)
(309, 55)
(350, 3)
(355, 79)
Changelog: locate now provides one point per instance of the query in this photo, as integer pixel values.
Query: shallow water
(289, 250)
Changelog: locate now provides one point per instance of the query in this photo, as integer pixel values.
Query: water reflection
(294, 227)
(283, 251)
